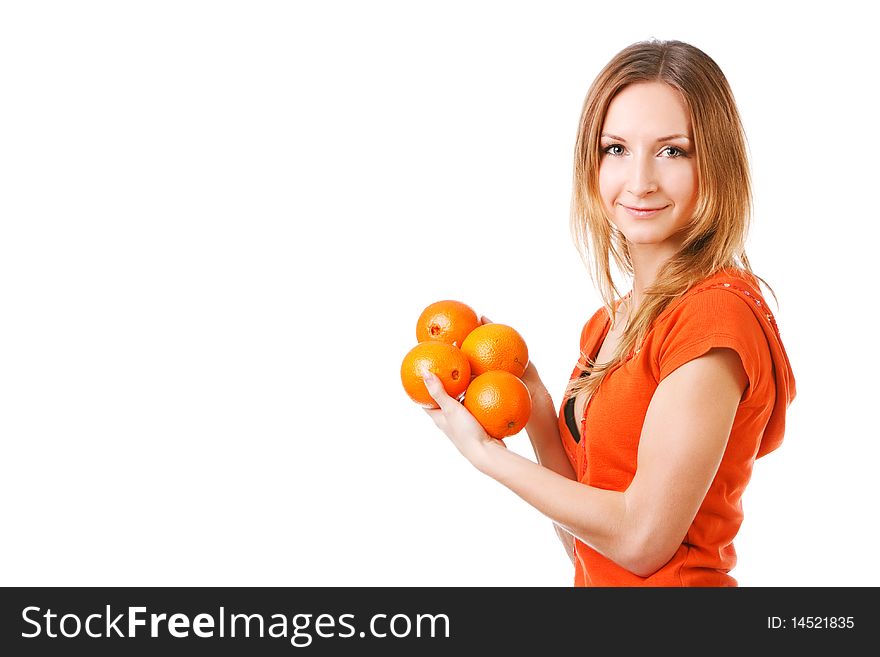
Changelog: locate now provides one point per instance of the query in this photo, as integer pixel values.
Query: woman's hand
(533, 382)
(458, 424)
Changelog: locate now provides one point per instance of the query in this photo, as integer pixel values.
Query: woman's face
(647, 170)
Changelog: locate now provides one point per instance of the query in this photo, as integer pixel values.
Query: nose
(642, 178)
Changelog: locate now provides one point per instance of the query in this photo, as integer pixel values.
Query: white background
(220, 220)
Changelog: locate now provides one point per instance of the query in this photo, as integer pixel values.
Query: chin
(646, 235)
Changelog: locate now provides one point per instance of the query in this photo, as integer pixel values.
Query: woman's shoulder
(737, 280)
(724, 310)
(728, 310)
(725, 297)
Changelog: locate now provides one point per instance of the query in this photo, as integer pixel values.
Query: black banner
(426, 621)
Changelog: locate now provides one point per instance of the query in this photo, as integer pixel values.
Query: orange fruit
(500, 401)
(446, 321)
(496, 347)
(444, 360)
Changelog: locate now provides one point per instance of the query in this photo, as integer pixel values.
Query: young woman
(683, 382)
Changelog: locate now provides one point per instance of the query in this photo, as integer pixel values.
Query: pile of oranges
(481, 365)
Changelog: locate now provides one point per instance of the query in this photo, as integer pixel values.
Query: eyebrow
(666, 138)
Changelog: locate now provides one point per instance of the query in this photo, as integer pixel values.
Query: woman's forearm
(593, 515)
(543, 431)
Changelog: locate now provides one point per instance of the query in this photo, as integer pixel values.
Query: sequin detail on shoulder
(767, 315)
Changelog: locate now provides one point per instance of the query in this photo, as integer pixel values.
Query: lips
(643, 212)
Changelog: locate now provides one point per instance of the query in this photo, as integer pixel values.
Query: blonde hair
(715, 238)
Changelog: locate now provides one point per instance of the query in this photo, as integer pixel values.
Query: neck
(647, 259)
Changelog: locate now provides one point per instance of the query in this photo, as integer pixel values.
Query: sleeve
(709, 319)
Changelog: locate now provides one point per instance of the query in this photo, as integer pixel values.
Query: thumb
(435, 389)
(485, 320)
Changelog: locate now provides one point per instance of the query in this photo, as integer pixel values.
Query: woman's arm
(543, 431)
(683, 439)
(543, 426)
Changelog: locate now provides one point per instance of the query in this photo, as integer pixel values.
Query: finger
(436, 390)
(485, 320)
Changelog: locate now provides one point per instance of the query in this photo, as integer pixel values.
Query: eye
(673, 151)
(613, 149)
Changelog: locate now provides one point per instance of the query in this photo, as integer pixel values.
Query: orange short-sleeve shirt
(725, 310)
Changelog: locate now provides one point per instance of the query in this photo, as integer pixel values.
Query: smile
(643, 213)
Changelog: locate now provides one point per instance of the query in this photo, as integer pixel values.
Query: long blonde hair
(714, 240)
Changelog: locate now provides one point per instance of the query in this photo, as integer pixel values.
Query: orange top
(725, 310)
